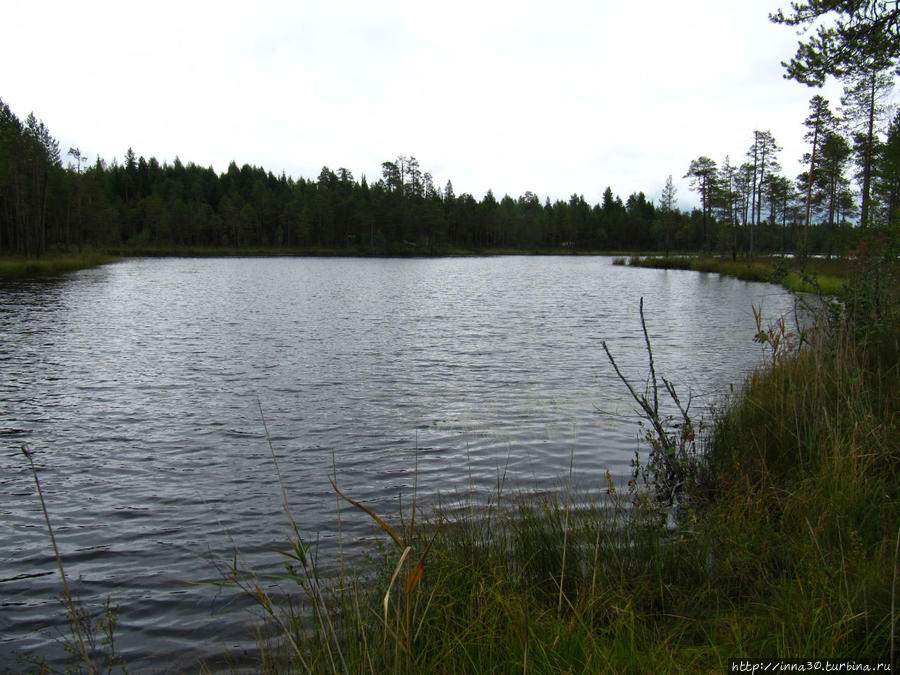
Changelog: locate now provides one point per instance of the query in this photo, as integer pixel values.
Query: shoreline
(12, 268)
(814, 275)
(826, 276)
(58, 263)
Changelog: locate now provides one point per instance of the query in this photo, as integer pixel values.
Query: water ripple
(138, 386)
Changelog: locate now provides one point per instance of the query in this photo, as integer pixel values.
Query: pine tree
(761, 156)
(820, 121)
(666, 206)
(863, 108)
(848, 32)
(887, 179)
(42, 157)
(727, 199)
(702, 172)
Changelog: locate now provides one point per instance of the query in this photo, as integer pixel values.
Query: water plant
(673, 461)
(777, 337)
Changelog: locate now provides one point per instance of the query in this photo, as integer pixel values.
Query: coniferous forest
(849, 180)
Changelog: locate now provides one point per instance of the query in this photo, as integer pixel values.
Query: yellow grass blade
(378, 520)
(387, 594)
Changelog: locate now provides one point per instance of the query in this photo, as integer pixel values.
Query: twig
(562, 572)
(671, 455)
(683, 410)
(640, 400)
(650, 355)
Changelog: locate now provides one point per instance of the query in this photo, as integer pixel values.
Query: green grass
(50, 265)
(813, 276)
(803, 481)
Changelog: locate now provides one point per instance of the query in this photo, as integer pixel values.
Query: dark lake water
(138, 387)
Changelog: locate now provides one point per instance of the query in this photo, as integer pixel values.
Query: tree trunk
(809, 182)
(867, 161)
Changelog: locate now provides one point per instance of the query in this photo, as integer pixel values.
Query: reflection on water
(139, 387)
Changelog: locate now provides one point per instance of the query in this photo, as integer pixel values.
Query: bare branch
(650, 354)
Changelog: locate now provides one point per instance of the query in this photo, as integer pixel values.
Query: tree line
(144, 203)
(849, 182)
(858, 43)
(860, 144)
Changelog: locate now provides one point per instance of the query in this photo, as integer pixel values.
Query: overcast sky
(554, 97)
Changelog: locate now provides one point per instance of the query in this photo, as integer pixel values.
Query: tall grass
(803, 482)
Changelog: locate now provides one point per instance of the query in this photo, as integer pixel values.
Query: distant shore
(55, 263)
(816, 275)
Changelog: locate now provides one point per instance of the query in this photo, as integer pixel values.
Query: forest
(849, 181)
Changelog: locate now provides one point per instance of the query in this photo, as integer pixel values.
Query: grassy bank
(810, 276)
(784, 543)
(51, 264)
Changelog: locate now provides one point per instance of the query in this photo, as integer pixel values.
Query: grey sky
(554, 97)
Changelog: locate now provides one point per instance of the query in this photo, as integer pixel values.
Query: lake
(141, 389)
